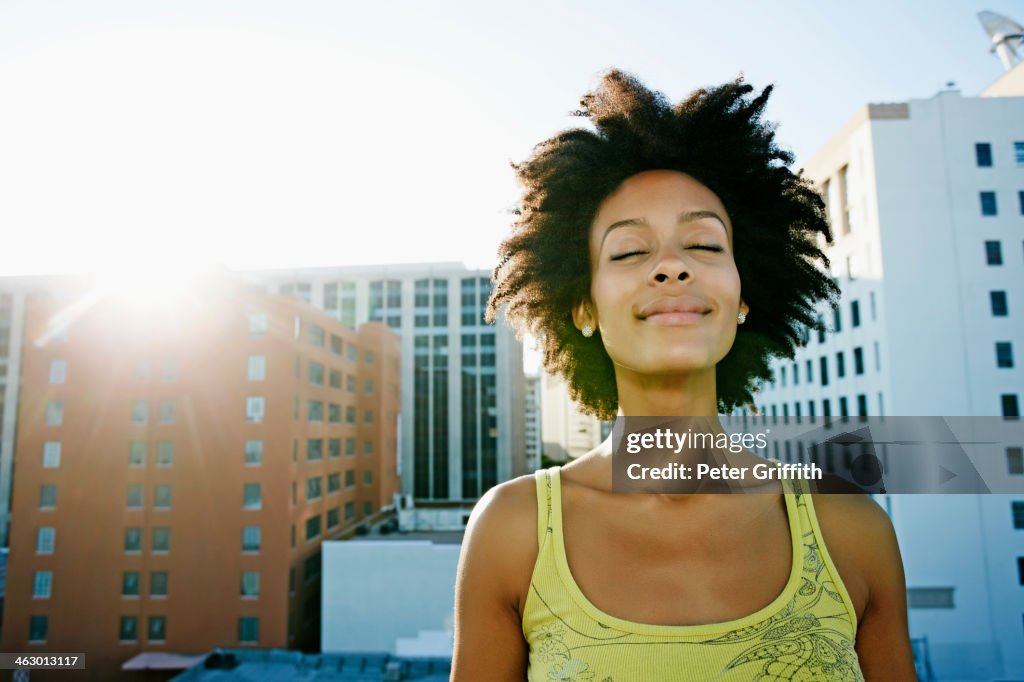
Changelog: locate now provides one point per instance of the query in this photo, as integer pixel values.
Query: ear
(582, 315)
(744, 308)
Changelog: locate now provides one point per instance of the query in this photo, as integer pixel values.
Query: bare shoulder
(502, 535)
(862, 543)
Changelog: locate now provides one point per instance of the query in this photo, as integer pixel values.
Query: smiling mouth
(676, 318)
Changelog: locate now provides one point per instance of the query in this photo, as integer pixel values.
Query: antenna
(1007, 37)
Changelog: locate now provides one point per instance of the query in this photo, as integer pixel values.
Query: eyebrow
(684, 217)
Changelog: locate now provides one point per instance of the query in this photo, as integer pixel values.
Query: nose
(668, 269)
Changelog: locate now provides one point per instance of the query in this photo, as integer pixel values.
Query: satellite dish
(1007, 37)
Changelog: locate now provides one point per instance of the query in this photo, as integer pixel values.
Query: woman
(640, 251)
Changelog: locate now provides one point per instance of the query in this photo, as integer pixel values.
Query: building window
(132, 539)
(1017, 510)
(368, 386)
(837, 319)
(333, 447)
(54, 413)
(930, 597)
(254, 410)
(168, 370)
(165, 453)
(1010, 405)
(166, 412)
(350, 510)
(350, 478)
(840, 365)
(251, 539)
(314, 488)
(129, 630)
(135, 496)
(315, 411)
(350, 414)
(1004, 354)
(316, 373)
(253, 452)
(250, 584)
(333, 482)
(810, 409)
(162, 496)
(809, 369)
(158, 582)
(48, 496)
(821, 329)
(350, 352)
(983, 154)
(51, 454)
(350, 446)
(140, 411)
(997, 299)
(858, 360)
(862, 405)
(252, 496)
(1015, 460)
(333, 517)
(367, 477)
(993, 253)
(257, 324)
(855, 314)
(350, 383)
(844, 410)
(58, 371)
(42, 585)
(316, 335)
(312, 527)
(368, 416)
(257, 368)
(988, 203)
(334, 378)
(334, 413)
(130, 584)
(796, 374)
(1018, 154)
(137, 453)
(336, 344)
(314, 449)
(249, 629)
(1020, 199)
(367, 508)
(157, 629)
(37, 626)
(161, 539)
(367, 447)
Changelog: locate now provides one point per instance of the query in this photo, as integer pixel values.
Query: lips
(674, 309)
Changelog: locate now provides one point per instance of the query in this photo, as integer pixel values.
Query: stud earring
(742, 317)
(587, 331)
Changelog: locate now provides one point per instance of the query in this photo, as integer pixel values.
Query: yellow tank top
(807, 633)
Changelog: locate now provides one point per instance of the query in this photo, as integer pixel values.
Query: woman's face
(665, 292)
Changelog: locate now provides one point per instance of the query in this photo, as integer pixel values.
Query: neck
(688, 394)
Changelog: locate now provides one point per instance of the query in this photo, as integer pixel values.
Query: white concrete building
(462, 421)
(406, 609)
(533, 422)
(926, 199)
(567, 432)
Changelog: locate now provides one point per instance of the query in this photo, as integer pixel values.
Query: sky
(166, 136)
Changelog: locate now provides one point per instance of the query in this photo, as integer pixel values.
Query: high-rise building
(568, 432)
(462, 379)
(176, 465)
(926, 200)
(533, 422)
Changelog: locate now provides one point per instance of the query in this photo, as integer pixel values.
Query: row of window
(318, 337)
(315, 449)
(989, 206)
(993, 252)
(983, 154)
(248, 629)
(826, 408)
(255, 411)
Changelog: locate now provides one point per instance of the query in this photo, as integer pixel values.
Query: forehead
(656, 195)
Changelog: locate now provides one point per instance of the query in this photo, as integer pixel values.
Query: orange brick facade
(150, 437)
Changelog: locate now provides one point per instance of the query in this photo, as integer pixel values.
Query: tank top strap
(545, 502)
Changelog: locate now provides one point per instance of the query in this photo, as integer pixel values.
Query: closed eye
(622, 256)
(707, 247)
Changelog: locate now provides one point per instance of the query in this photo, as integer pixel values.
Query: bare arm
(883, 638)
(495, 565)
